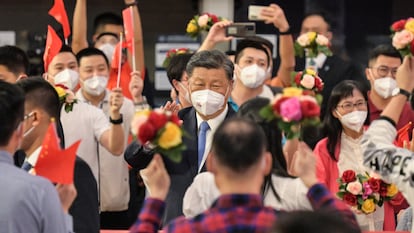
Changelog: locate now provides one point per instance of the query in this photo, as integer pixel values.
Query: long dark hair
(332, 127)
(250, 110)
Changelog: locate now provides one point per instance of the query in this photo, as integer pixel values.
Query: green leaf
(299, 50)
(267, 113)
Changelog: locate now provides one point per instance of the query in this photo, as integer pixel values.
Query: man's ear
(267, 163)
(329, 35)
(175, 84)
(210, 163)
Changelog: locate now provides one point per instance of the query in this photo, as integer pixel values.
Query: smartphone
(241, 29)
(254, 12)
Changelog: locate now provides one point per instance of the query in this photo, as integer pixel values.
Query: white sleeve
(200, 194)
(394, 164)
(100, 122)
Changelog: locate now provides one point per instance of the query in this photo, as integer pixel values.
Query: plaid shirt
(233, 213)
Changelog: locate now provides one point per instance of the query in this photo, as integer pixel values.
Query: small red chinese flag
(59, 13)
(403, 135)
(53, 46)
(128, 18)
(53, 163)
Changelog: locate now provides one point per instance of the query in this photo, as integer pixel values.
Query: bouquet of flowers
(66, 97)
(201, 23)
(313, 43)
(309, 81)
(294, 108)
(403, 36)
(160, 130)
(173, 52)
(364, 192)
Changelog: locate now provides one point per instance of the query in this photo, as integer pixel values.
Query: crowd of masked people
(238, 172)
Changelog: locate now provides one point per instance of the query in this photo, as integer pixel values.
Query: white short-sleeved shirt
(203, 191)
(114, 173)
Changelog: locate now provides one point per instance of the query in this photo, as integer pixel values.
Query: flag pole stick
(120, 60)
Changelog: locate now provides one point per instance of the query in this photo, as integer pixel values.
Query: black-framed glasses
(383, 71)
(348, 106)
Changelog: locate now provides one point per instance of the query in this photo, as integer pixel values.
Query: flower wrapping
(293, 108)
(403, 36)
(313, 44)
(364, 192)
(66, 97)
(160, 130)
(174, 52)
(201, 23)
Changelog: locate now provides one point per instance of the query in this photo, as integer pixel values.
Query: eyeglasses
(383, 71)
(360, 105)
(27, 116)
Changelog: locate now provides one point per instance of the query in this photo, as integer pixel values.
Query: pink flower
(290, 110)
(402, 38)
(303, 40)
(203, 20)
(322, 40)
(70, 97)
(308, 81)
(367, 191)
(354, 187)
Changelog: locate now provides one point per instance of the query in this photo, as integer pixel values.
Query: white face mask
(385, 86)
(353, 120)
(187, 94)
(68, 78)
(108, 49)
(95, 85)
(207, 102)
(253, 76)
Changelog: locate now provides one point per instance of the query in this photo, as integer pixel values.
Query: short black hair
(91, 51)
(318, 221)
(248, 43)
(383, 49)
(210, 59)
(41, 94)
(14, 58)
(66, 48)
(12, 110)
(238, 144)
(105, 19)
(324, 15)
(177, 66)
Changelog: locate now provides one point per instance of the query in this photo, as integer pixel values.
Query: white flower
(322, 40)
(203, 20)
(303, 40)
(308, 81)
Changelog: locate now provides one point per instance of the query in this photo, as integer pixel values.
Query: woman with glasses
(343, 126)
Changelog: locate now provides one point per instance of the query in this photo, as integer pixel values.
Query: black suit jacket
(181, 174)
(333, 71)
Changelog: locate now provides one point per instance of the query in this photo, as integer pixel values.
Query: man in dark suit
(210, 84)
(333, 69)
(41, 104)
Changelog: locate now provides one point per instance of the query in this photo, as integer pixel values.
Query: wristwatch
(399, 91)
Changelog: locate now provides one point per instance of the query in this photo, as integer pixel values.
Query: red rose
(348, 176)
(298, 77)
(412, 47)
(175, 119)
(318, 84)
(158, 120)
(146, 132)
(399, 25)
(276, 106)
(309, 108)
(375, 184)
(350, 199)
(383, 189)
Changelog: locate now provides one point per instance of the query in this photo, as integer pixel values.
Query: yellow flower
(171, 136)
(312, 36)
(311, 72)
(392, 190)
(292, 91)
(368, 206)
(409, 26)
(61, 92)
(192, 27)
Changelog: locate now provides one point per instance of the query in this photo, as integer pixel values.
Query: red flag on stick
(59, 13)
(54, 163)
(53, 46)
(128, 18)
(403, 135)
